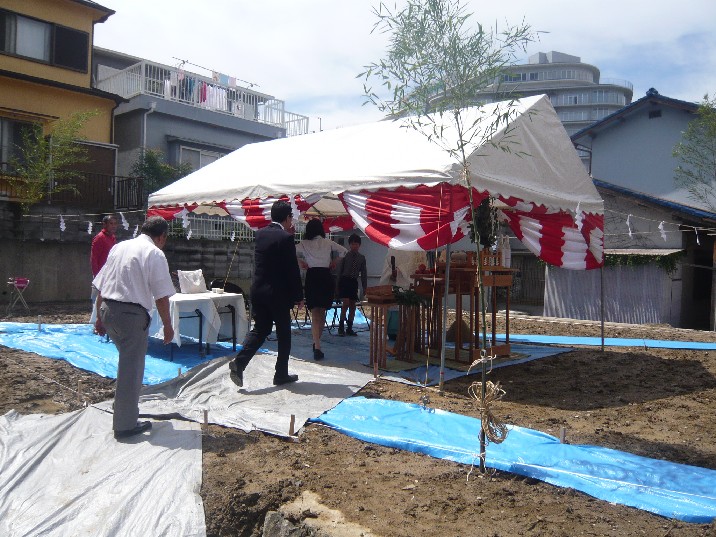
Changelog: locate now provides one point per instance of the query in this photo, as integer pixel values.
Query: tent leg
(601, 291)
(445, 307)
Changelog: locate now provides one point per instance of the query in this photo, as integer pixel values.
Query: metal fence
(94, 191)
(201, 226)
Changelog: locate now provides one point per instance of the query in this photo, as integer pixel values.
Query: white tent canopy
(380, 172)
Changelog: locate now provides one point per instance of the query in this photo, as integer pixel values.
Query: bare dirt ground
(655, 403)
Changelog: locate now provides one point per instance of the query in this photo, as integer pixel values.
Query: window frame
(202, 153)
(53, 43)
(9, 149)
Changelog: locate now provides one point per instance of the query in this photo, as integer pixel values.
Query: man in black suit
(276, 288)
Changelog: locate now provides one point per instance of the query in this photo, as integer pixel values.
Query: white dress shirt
(136, 271)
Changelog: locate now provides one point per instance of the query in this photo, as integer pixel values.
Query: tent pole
(445, 308)
(601, 291)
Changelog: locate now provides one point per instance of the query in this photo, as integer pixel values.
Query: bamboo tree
(696, 154)
(436, 65)
(47, 162)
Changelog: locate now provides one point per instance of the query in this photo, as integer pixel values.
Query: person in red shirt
(101, 245)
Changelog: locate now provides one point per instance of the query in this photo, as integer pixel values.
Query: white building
(575, 89)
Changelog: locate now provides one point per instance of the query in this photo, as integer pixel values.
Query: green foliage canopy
(437, 63)
(696, 154)
(157, 173)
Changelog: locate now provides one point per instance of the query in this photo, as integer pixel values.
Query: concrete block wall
(60, 270)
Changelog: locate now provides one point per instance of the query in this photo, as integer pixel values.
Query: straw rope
(495, 431)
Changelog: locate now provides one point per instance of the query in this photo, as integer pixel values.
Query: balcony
(90, 191)
(617, 82)
(216, 94)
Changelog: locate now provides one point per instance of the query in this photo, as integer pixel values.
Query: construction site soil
(656, 403)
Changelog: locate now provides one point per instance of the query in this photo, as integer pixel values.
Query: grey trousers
(127, 326)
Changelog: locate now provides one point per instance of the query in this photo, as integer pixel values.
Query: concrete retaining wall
(60, 270)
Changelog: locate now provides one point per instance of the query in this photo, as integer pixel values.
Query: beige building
(45, 75)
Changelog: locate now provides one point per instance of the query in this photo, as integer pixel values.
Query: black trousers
(265, 316)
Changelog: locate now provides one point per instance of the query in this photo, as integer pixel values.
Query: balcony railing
(617, 82)
(172, 83)
(92, 191)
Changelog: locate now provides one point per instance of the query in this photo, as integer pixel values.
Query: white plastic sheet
(259, 404)
(66, 475)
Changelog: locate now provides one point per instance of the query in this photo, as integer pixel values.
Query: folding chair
(17, 288)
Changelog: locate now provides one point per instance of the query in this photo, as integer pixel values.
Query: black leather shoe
(284, 379)
(317, 353)
(140, 428)
(236, 376)
(350, 332)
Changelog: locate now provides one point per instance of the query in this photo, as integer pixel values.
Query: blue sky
(309, 52)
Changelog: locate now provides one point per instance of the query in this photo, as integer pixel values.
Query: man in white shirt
(134, 279)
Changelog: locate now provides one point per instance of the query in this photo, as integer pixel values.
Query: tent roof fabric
(390, 154)
(406, 188)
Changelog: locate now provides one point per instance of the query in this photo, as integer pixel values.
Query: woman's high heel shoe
(317, 353)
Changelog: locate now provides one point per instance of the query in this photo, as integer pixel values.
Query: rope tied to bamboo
(495, 431)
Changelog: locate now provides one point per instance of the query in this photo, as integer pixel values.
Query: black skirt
(320, 288)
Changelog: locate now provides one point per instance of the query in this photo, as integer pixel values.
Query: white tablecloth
(182, 309)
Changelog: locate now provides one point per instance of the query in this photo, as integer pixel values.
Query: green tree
(436, 65)
(696, 153)
(157, 173)
(45, 163)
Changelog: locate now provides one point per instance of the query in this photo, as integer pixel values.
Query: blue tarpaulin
(610, 342)
(668, 489)
(76, 344)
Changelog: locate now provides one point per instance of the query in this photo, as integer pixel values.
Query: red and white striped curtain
(429, 217)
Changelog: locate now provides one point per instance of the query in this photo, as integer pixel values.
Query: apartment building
(576, 90)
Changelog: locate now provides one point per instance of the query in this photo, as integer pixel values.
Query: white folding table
(208, 317)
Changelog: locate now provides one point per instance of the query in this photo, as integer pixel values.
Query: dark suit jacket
(277, 278)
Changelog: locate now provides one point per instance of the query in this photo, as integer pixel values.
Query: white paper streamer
(233, 236)
(185, 220)
(125, 224)
(89, 228)
(629, 225)
(136, 230)
(63, 226)
(662, 230)
(697, 236)
(578, 218)
(188, 235)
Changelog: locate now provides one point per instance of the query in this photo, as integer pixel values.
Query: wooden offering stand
(464, 282)
(495, 276)
(379, 298)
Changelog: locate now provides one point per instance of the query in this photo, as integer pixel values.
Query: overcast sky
(309, 52)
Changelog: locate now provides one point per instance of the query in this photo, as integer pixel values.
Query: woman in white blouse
(318, 255)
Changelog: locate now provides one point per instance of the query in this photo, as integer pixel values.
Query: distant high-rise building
(575, 89)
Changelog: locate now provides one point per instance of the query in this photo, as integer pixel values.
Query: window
(32, 38)
(43, 41)
(70, 48)
(10, 138)
(534, 76)
(198, 158)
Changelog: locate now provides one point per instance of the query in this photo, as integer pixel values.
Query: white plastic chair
(17, 288)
